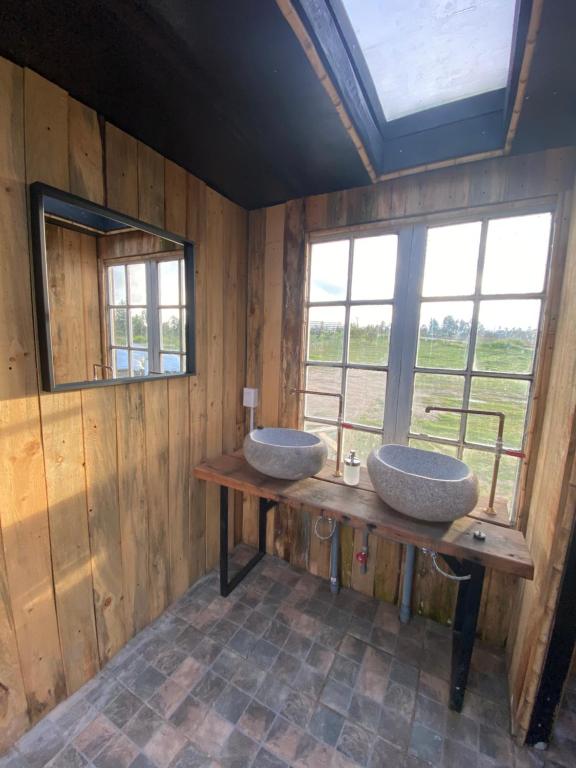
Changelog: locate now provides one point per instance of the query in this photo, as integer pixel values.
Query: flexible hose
(434, 556)
(332, 528)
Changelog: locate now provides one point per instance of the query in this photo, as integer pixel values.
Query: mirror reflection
(116, 298)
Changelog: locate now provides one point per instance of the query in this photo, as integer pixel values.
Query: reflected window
(146, 311)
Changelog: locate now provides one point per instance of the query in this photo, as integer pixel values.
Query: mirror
(114, 296)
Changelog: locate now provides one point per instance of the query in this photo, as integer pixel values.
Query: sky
(515, 262)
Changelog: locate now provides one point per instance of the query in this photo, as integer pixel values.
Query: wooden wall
(276, 280)
(552, 516)
(73, 277)
(101, 524)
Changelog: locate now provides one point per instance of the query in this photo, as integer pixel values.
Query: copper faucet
(499, 445)
(340, 423)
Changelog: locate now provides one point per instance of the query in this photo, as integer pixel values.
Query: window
(146, 316)
(429, 316)
(424, 55)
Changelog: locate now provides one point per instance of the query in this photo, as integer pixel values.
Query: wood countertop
(504, 549)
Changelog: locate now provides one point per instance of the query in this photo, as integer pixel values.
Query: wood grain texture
(552, 511)
(47, 160)
(123, 528)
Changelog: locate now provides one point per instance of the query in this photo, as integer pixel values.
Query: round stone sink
(422, 484)
(287, 454)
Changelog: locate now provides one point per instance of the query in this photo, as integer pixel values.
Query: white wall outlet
(250, 397)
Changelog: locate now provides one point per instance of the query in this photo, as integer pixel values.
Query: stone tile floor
(282, 673)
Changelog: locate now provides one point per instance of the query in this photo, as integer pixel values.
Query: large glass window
(146, 316)
(451, 320)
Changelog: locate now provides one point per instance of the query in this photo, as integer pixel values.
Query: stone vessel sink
(287, 454)
(422, 484)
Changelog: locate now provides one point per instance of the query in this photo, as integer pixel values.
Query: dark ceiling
(224, 88)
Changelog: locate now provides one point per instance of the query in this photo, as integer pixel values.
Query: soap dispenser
(352, 469)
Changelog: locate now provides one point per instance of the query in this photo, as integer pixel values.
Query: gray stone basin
(287, 454)
(422, 484)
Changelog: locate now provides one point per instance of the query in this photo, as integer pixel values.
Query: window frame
(405, 327)
(153, 309)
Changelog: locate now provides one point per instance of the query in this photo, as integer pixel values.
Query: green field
(365, 404)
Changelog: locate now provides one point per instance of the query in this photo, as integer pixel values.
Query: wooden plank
(175, 207)
(121, 171)
(179, 488)
(214, 359)
(85, 152)
(46, 131)
(272, 315)
(157, 485)
(196, 230)
(292, 311)
(387, 570)
(89, 283)
(100, 442)
(150, 186)
(133, 503)
(13, 706)
(504, 549)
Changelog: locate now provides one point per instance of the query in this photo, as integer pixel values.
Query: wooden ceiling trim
(529, 50)
(287, 9)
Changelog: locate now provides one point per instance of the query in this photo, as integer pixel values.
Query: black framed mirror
(114, 296)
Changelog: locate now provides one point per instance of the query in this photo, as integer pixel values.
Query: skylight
(426, 53)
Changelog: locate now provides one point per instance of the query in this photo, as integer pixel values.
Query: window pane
(365, 395)
(170, 363)
(326, 333)
(117, 285)
(444, 334)
(437, 389)
(516, 254)
(483, 464)
(361, 442)
(327, 433)
(451, 260)
(168, 282)
(137, 283)
(505, 395)
(170, 333)
(120, 362)
(374, 267)
(322, 380)
(139, 328)
(139, 363)
(424, 445)
(119, 327)
(507, 334)
(370, 334)
(329, 271)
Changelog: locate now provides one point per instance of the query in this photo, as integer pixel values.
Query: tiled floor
(280, 673)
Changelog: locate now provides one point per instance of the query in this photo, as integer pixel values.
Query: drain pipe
(405, 609)
(334, 557)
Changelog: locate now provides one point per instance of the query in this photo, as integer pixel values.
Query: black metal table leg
(464, 627)
(226, 586)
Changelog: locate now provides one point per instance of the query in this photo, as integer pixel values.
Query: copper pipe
(104, 368)
(499, 444)
(338, 472)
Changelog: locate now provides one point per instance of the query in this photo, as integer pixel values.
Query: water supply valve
(362, 557)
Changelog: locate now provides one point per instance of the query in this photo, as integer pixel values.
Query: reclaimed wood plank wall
(552, 516)
(101, 524)
(512, 180)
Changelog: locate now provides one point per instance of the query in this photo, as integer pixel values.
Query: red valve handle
(362, 557)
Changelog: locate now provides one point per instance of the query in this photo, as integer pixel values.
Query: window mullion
(404, 333)
(344, 379)
(153, 317)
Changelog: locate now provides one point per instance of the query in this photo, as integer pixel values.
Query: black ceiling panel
(223, 88)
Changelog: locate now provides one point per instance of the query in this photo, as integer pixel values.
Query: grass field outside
(366, 392)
